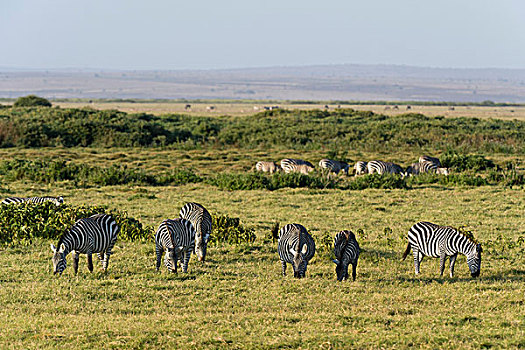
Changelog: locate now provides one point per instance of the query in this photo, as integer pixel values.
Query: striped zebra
(431, 160)
(15, 200)
(420, 168)
(267, 167)
(200, 219)
(296, 247)
(333, 166)
(346, 250)
(176, 238)
(443, 171)
(380, 167)
(361, 168)
(95, 234)
(427, 239)
(290, 165)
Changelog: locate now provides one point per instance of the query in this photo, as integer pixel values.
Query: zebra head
(341, 261)
(474, 261)
(202, 235)
(59, 259)
(299, 262)
(443, 171)
(59, 201)
(341, 269)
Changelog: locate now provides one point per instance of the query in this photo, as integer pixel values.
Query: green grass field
(238, 298)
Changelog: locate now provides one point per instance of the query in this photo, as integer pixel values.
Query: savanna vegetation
(143, 168)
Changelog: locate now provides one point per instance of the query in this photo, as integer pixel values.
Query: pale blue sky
(202, 34)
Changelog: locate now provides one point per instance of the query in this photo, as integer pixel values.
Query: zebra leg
(354, 273)
(452, 262)
(284, 267)
(187, 257)
(158, 252)
(76, 257)
(105, 263)
(442, 259)
(416, 259)
(90, 261)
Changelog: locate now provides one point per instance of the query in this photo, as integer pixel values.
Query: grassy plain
(237, 298)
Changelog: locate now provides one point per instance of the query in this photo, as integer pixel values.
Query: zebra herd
(426, 164)
(178, 238)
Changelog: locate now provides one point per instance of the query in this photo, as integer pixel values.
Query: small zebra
(296, 247)
(267, 167)
(200, 218)
(95, 234)
(427, 239)
(15, 200)
(380, 167)
(296, 166)
(334, 166)
(346, 250)
(420, 168)
(361, 168)
(431, 160)
(176, 238)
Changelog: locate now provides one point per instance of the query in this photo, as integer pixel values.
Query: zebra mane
(461, 231)
(61, 239)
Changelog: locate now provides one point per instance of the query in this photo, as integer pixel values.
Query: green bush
(230, 230)
(21, 223)
(384, 181)
(465, 162)
(31, 101)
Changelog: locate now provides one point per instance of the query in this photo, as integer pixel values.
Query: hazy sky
(172, 34)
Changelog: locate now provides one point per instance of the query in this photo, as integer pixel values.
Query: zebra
(200, 218)
(420, 168)
(15, 200)
(296, 247)
(267, 167)
(176, 238)
(95, 234)
(334, 166)
(290, 165)
(443, 171)
(427, 239)
(430, 159)
(360, 168)
(187, 107)
(380, 167)
(346, 250)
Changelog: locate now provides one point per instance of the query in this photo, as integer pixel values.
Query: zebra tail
(407, 251)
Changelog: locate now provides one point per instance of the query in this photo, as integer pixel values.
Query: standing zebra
(290, 165)
(361, 168)
(200, 219)
(430, 159)
(427, 239)
(346, 250)
(296, 247)
(176, 238)
(420, 168)
(380, 167)
(267, 167)
(333, 166)
(95, 234)
(38, 200)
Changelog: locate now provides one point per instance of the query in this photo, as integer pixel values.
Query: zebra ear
(62, 248)
(53, 248)
(335, 261)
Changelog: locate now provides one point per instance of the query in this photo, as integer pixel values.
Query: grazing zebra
(346, 250)
(267, 167)
(430, 159)
(296, 247)
(420, 168)
(176, 238)
(290, 165)
(334, 166)
(200, 218)
(427, 239)
(361, 168)
(95, 234)
(38, 200)
(187, 107)
(377, 166)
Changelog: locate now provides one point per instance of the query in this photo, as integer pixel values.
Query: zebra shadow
(513, 275)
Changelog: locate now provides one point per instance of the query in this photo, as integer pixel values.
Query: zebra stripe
(267, 167)
(431, 160)
(361, 168)
(176, 238)
(95, 234)
(420, 168)
(200, 218)
(427, 239)
(380, 167)
(346, 250)
(334, 166)
(37, 200)
(296, 247)
(290, 165)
